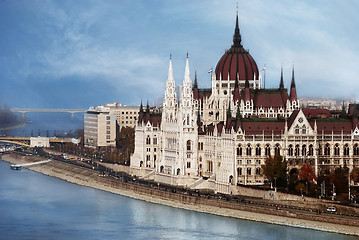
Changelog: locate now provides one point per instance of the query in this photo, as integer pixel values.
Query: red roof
(268, 127)
(334, 125)
(274, 98)
(316, 112)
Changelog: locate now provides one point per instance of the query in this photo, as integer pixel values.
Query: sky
(77, 54)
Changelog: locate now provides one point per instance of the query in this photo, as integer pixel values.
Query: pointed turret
(355, 117)
(147, 114)
(140, 115)
(281, 85)
(247, 95)
(237, 35)
(195, 87)
(293, 91)
(236, 96)
(238, 118)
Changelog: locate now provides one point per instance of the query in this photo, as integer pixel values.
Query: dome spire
(237, 35)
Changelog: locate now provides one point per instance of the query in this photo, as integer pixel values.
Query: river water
(36, 206)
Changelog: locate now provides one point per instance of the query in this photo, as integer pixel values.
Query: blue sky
(59, 53)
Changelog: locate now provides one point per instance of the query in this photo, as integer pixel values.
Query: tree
(126, 142)
(355, 174)
(306, 173)
(275, 168)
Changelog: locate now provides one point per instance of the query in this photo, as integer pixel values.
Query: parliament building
(220, 137)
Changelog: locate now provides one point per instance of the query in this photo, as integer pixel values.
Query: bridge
(48, 110)
(18, 166)
(25, 141)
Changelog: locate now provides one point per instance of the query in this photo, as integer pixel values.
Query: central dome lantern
(238, 64)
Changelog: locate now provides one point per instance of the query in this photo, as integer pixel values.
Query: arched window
(296, 130)
(336, 150)
(346, 150)
(356, 150)
(277, 149)
(290, 150)
(258, 171)
(148, 140)
(297, 150)
(239, 150)
(249, 150)
(267, 150)
(249, 171)
(311, 151)
(304, 150)
(258, 150)
(239, 171)
(327, 149)
(189, 145)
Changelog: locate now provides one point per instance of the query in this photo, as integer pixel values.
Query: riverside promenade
(243, 210)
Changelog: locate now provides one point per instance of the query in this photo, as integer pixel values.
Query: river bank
(90, 178)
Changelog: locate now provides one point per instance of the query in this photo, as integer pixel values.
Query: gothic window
(304, 150)
(277, 149)
(210, 166)
(304, 130)
(296, 130)
(188, 164)
(327, 149)
(297, 150)
(258, 150)
(346, 150)
(249, 150)
(258, 171)
(239, 171)
(311, 151)
(290, 150)
(239, 150)
(148, 140)
(189, 145)
(356, 150)
(336, 150)
(267, 150)
(155, 141)
(249, 171)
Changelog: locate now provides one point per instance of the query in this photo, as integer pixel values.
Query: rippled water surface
(35, 206)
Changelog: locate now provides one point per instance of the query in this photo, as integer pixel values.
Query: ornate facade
(223, 135)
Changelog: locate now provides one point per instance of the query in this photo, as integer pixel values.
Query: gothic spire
(281, 85)
(195, 85)
(237, 35)
(292, 85)
(293, 92)
(170, 71)
(187, 77)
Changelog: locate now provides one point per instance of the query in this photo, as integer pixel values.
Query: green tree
(275, 169)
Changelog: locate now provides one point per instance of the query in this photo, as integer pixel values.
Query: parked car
(331, 209)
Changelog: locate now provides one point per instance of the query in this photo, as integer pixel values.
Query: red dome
(237, 61)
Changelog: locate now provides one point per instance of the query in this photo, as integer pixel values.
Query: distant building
(99, 127)
(40, 142)
(101, 123)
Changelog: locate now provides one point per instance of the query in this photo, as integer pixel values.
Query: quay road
(25, 141)
(247, 202)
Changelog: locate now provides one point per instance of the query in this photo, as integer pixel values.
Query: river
(36, 206)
